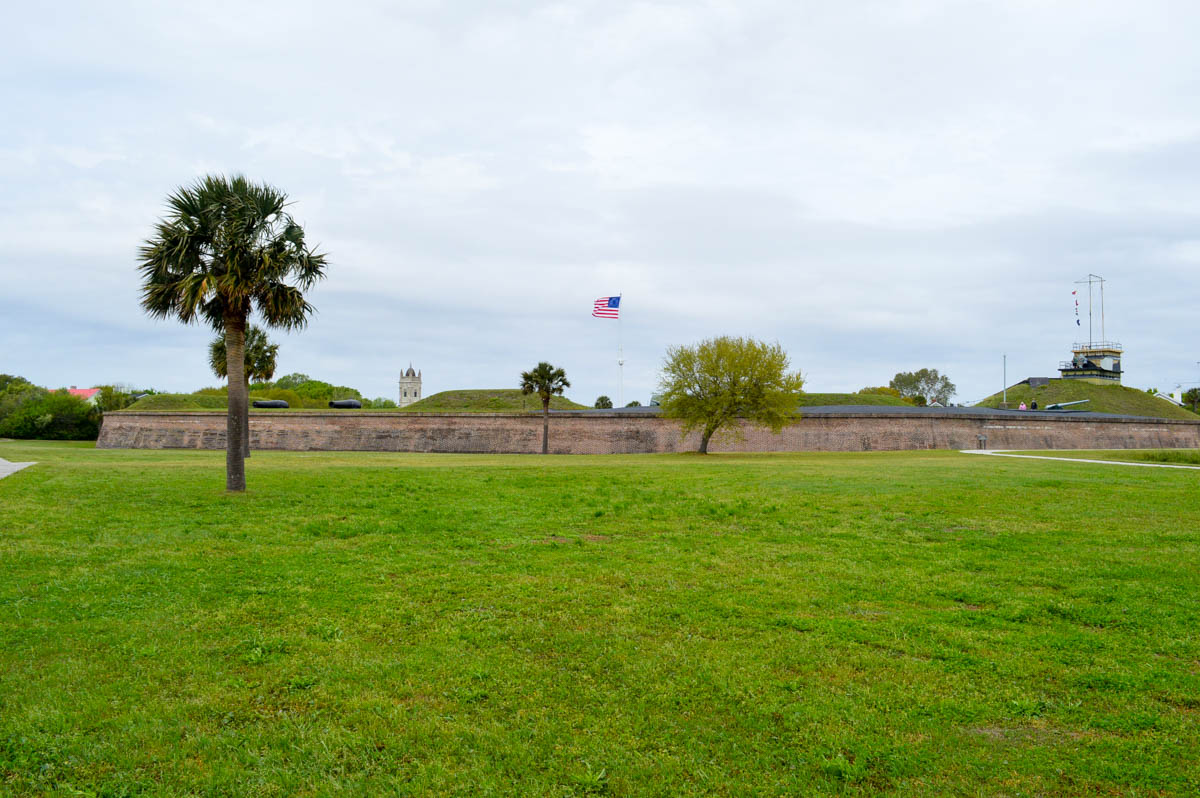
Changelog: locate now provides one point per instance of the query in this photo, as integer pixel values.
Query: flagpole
(620, 359)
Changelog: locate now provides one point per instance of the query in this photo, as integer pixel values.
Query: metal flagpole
(620, 359)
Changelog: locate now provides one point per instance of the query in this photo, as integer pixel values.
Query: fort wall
(626, 433)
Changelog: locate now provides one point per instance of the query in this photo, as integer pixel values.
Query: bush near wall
(54, 416)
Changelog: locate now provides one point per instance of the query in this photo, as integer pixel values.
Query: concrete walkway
(1004, 453)
(7, 468)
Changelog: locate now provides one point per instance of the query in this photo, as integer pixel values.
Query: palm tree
(225, 248)
(261, 356)
(545, 380)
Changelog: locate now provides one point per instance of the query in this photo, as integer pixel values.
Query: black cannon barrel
(346, 404)
(270, 403)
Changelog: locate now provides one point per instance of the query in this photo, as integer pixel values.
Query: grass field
(847, 624)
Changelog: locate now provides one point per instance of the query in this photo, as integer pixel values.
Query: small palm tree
(261, 356)
(225, 248)
(545, 380)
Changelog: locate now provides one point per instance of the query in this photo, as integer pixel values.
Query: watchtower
(410, 387)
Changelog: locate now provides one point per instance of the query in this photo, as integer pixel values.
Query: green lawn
(851, 624)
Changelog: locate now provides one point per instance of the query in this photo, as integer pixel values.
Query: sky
(878, 186)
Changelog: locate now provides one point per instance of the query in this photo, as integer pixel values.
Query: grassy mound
(493, 400)
(823, 399)
(1102, 399)
(179, 401)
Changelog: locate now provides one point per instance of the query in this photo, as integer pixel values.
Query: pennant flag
(607, 307)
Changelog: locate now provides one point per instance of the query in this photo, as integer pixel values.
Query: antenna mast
(1092, 280)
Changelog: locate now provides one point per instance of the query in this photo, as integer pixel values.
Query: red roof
(83, 393)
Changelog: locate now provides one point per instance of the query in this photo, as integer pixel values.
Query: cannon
(1065, 405)
(271, 403)
(346, 404)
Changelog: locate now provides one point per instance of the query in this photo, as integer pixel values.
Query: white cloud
(877, 184)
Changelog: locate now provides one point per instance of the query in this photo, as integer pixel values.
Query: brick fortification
(622, 433)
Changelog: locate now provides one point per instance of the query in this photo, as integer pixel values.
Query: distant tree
(634, 403)
(228, 247)
(381, 402)
(603, 403)
(712, 384)
(925, 383)
(290, 381)
(260, 361)
(113, 397)
(881, 390)
(545, 380)
(1192, 397)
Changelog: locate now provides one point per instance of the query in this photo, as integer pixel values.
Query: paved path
(1003, 453)
(7, 468)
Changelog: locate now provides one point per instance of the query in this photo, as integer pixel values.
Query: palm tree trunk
(237, 419)
(246, 426)
(545, 426)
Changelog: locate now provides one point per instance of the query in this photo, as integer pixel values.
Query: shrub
(603, 403)
(55, 416)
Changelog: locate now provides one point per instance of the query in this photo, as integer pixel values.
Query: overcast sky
(879, 186)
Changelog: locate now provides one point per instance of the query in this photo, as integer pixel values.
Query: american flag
(607, 307)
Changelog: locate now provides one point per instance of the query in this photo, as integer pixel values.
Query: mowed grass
(847, 624)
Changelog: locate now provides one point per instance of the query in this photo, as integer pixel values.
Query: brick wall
(610, 433)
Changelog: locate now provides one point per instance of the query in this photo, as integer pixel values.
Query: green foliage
(10, 382)
(1192, 397)
(816, 624)
(711, 385)
(315, 389)
(923, 385)
(260, 355)
(603, 403)
(379, 403)
(112, 397)
(633, 403)
(544, 380)
(52, 415)
(291, 380)
(881, 390)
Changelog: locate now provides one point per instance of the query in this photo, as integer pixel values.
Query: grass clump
(923, 623)
(873, 399)
(491, 400)
(1101, 399)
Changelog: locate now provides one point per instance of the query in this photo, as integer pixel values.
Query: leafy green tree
(926, 383)
(290, 381)
(113, 397)
(603, 403)
(381, 402)
(261, 357)
(1192, 397)
(634, 403)
(226, 248)
(545, 380)
(711, 385)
